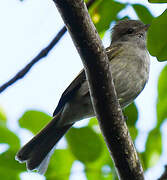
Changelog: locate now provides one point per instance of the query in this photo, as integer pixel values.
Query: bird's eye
(130, 30)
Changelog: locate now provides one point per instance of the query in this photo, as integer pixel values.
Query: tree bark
(103, 95)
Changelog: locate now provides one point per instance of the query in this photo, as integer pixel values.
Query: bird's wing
(111, 51)
(114, 50)
(70, 91)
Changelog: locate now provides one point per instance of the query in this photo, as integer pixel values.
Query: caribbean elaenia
(129, 61)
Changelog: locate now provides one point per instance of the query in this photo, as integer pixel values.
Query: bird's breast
(130, 71)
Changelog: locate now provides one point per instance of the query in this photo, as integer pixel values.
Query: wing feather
(111, 51)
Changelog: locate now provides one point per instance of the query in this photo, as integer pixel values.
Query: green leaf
(9, 138)
(34, 120)
(60, 165)
(157, 1)
(132, 114)
(85, 144)
(143, 160)
(143, 13)
(98, 174)
(162, 97)
(10, 168)
(133, 132)
(157, 41)
(94, 170)
(162, 84)
(93, 122)
(105, 13)
(153, 148)
(3, 118)
(103, 168)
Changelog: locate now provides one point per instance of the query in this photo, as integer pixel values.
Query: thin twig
(43, 53)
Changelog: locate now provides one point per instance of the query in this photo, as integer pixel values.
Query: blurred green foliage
(157, 1)
(162, 97)
(157, 41)
(9, 168)
(89, 148)
(38, 119)
(143, 13)
(102, 18)
(86, 144)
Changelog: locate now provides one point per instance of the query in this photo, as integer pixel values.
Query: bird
(130, 64)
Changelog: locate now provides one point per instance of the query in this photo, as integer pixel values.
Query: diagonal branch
(103, 95)
(43, 53)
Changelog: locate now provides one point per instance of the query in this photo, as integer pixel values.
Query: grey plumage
(129, 61)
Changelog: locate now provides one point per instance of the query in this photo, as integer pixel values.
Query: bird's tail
(36, 153)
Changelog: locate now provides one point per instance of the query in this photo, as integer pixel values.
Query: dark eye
(130, 30)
